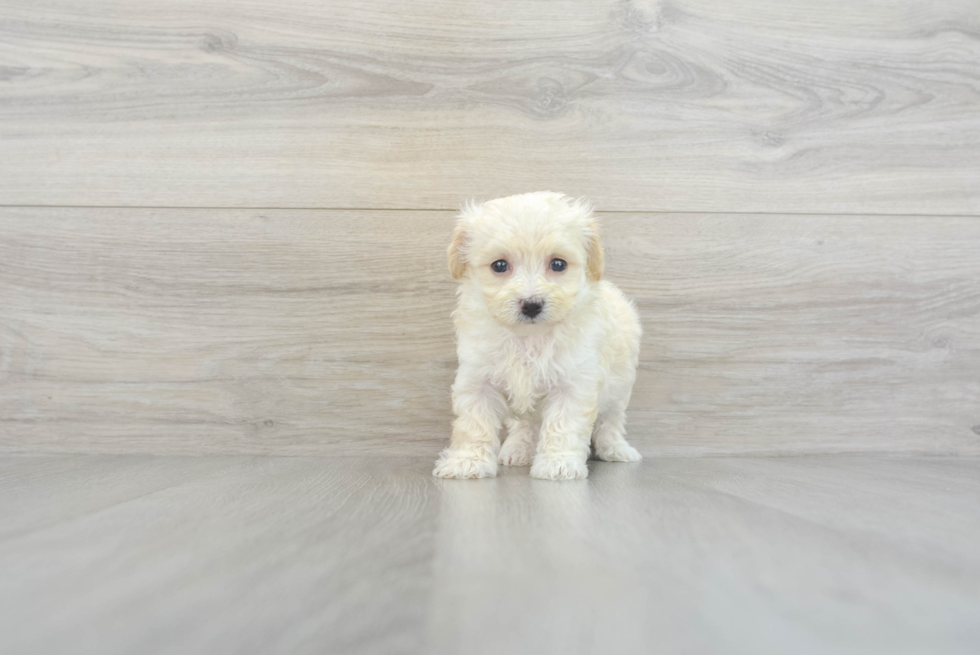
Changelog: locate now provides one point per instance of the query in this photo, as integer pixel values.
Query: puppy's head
(533, 257)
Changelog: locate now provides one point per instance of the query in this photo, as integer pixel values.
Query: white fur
(558, 381)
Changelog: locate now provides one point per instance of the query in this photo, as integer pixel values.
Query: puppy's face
(532, 257)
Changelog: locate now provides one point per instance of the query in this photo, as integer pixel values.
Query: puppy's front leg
(566, 430)
(479, 408)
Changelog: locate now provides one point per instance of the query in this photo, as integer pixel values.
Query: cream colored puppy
(544, 344)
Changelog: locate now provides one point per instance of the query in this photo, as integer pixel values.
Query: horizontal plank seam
(427, 209)
(425, 455)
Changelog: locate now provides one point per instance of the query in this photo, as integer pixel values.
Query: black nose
(530, 308)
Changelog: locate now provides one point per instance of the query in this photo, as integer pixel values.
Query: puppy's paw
(619, 452)
(516, 452)
(549, 466)
(454, 464)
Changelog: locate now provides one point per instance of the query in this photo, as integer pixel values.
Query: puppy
(544, 344)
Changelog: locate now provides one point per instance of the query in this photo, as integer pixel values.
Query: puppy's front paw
(549, 466)
(454, 464)
(516, 452)
(620, 452)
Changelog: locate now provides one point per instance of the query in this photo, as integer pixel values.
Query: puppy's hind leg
(518, 449)
(610, 437)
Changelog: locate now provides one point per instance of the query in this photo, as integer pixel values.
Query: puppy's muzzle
(531, 307)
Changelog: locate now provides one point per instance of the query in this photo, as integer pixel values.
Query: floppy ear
(595, 262)
(457, 261)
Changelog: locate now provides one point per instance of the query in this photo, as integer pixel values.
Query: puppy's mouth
(523, 324)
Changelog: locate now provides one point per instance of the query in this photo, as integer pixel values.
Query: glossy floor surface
(230, 554)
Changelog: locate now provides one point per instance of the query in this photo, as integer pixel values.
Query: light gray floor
(829, 554)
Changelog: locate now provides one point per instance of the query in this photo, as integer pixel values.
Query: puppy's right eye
(499, 266)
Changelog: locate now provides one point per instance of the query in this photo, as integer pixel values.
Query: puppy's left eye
(558, 265)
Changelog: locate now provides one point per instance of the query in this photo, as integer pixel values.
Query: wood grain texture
(681, 105)
(292, 331)
(845, 554)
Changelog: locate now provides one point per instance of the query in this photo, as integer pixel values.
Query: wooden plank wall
(223, 226)
(679, 105)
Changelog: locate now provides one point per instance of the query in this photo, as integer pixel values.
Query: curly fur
(559, 380)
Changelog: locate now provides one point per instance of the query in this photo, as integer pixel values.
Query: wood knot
(216, 42)
(550, 98)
